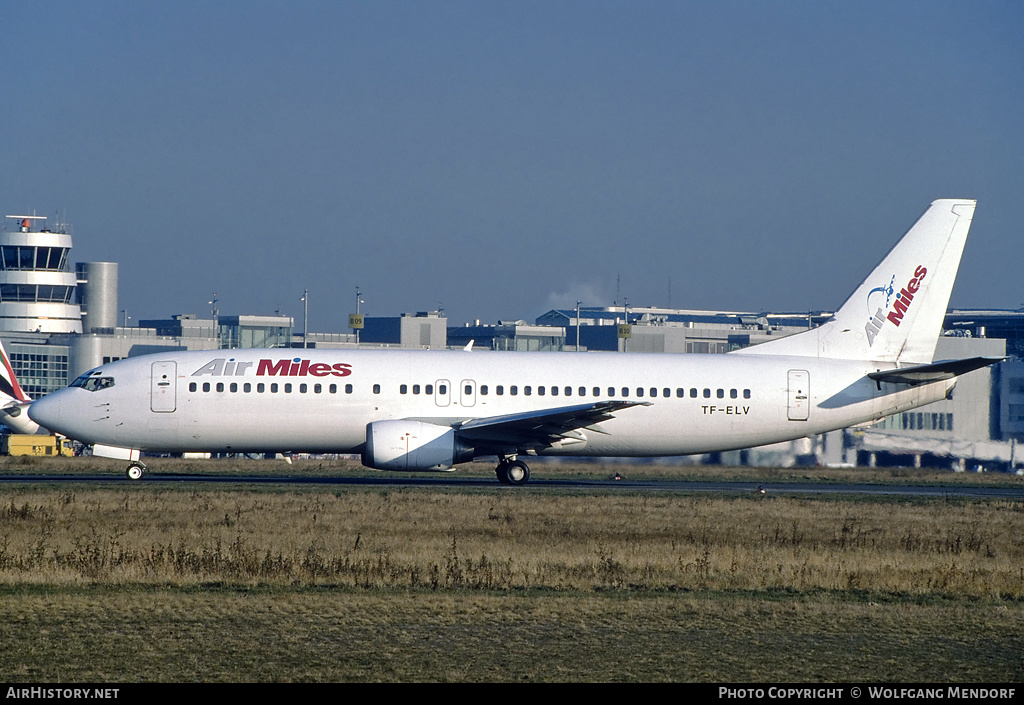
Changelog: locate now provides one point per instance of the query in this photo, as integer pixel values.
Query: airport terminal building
(57, 322)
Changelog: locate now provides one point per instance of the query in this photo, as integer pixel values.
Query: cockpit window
(93, 384)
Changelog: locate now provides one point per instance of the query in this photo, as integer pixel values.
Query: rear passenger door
(799, 395)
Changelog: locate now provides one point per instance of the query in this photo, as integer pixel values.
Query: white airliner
(430, 410)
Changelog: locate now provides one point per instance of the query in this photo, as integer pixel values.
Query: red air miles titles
(899, 307)
(295, 367)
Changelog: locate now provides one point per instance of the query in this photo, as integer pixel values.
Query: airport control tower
(37, 288)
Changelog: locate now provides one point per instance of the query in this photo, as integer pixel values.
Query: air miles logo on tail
(296, 367)
(903, 301)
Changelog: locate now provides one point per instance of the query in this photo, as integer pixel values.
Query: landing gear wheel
(518, 473)
(135, 471)
(512, 472)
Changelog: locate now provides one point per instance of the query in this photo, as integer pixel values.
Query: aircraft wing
(542, 427)
(935, 372)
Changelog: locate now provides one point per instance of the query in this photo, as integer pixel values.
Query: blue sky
(501, 158)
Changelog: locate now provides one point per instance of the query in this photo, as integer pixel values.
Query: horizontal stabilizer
(935, 372)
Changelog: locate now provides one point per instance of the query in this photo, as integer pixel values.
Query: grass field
(184, 582)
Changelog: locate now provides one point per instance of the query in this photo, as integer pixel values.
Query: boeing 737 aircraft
(430, 410)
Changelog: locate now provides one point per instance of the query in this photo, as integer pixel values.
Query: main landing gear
(512, 472)
(135, 471)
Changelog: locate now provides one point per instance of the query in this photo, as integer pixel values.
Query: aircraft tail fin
(13, 401)
(896, 314)
(9, 387)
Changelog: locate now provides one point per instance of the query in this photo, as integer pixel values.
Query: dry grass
(509, 541)
(300, 634)
(179, 582)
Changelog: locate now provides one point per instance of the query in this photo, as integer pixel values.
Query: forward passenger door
(163, 381)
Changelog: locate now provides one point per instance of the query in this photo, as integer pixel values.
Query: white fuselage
(322, 400)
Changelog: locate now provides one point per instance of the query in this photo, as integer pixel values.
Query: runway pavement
(738, 487)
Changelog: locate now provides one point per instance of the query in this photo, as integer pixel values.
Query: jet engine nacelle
(412, 445)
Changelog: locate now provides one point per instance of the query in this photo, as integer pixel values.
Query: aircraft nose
(48, 412)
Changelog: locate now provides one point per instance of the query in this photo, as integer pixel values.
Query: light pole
(359, 300)
(305, 317)
(625, 314)
(578, 325)
(214, 311)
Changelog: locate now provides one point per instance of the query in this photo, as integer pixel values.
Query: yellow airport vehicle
(21, 444)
